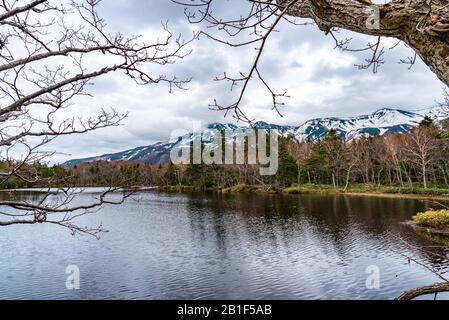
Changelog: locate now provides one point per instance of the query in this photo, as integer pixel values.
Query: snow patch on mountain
(378, 123)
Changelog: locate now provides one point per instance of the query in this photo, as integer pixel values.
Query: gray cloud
(321, 81)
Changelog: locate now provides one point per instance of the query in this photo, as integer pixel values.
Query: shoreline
(309, 190)
(384, 192)
(398, 195)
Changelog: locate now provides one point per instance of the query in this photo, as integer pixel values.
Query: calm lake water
(172, 246)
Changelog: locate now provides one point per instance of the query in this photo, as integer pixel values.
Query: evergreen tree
(427, 122)
(288, 170)
(171, 175)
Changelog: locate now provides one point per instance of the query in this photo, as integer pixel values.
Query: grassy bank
(242, 188)
(176, 188)
(370, 189)
(355, 189)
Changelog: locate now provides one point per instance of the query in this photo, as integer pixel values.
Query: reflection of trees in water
(333, 223)
(201, 223)
(253, 220)
(31, 196)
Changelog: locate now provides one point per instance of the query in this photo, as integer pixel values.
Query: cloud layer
(322, 81)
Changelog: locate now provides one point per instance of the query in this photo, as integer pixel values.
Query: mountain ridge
(379, 122)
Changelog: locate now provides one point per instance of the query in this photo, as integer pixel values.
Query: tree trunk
(421, 24)
(409, 180)
(445, 175)
(432, 289)
(333, 181)
(424, 175)
(347, 178)
(398, 171)
(378, 177)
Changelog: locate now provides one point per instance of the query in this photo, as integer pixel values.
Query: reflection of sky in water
(234, 247)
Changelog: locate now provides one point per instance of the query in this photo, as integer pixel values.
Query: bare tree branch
(45, 64)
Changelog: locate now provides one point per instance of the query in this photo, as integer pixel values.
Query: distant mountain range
(378, 123)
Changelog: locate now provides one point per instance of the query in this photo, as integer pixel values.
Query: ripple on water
(217, 247)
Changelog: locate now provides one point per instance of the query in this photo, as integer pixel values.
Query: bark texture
(432, 289)
(421, 24)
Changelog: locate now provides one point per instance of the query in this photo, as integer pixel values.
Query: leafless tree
(395, 151)
(422, 146)
(422, 25)
(50, 52)
(300, 151)
(363, 154)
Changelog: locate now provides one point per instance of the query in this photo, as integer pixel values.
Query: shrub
(434, 219)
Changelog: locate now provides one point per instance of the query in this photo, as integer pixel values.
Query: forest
(417, 160)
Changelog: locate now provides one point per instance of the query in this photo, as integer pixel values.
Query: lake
(213, 246)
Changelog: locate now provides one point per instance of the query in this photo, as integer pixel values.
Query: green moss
(356, 188)
(176, 188)
(243, 188)
(433, 219)
(310, 189)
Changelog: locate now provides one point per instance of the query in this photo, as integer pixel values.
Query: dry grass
(433, 219)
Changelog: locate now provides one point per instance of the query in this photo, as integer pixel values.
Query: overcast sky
(322, 81)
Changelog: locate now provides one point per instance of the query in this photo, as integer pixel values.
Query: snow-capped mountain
(438, 112)
(378, 123)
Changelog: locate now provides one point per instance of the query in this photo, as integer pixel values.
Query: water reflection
(222, 246)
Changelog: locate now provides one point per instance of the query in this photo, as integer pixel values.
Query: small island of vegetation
(436, 219)
(432, 225)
